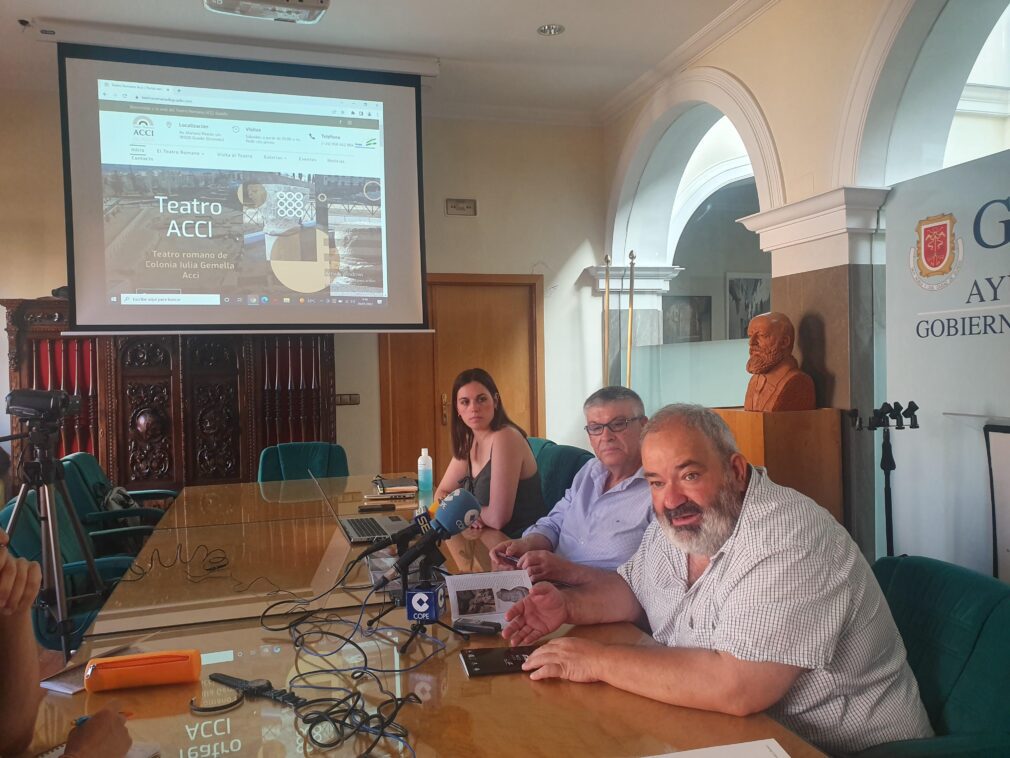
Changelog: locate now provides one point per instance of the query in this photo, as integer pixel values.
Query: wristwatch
(247, 688)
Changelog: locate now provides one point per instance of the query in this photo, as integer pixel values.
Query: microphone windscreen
(457, 511)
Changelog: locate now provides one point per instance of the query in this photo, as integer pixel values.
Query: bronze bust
(777, 383)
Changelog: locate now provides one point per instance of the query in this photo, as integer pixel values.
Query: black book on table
(486, 661)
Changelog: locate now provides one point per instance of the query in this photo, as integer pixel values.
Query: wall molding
(691, 196)
(843, 210)
(721, 28)
(680, 93)
(862, 87)
(835, 228)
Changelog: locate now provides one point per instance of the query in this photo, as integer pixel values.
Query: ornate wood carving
(145, 354)
(169, 411)
(149, 444)
(216, 431)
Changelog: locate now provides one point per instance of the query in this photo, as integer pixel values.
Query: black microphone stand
(427, 572)
(402, 543)
(42, 475)
(881, 419)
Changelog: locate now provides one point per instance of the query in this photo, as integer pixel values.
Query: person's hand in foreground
(539, 613)
(103, 735)
(19, 580)
(571, 658)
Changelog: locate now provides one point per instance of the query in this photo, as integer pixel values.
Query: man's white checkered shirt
(790, 586)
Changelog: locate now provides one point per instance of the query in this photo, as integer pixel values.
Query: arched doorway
(700, 157)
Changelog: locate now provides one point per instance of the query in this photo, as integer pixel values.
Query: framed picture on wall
(687, 318)
(747, 295)
(997, 445)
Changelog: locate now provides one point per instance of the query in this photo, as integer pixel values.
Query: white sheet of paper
(486, 596)
(756, 749)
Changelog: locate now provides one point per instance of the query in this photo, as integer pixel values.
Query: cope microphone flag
(455, 513)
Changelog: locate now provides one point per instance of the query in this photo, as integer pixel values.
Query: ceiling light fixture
(550, 30)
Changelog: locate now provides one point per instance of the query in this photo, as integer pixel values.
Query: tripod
(42, 475)
(427, 574)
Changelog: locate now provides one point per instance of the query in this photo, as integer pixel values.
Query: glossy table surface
(187, 606)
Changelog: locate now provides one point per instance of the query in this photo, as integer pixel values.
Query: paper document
(486, 596)
(756, 749)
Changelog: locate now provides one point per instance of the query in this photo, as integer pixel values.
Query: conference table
(223, 554)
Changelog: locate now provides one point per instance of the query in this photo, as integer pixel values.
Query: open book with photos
(486, 596)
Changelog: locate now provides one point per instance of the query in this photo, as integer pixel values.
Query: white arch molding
(675, 97)
(706, 184)
(912, 68)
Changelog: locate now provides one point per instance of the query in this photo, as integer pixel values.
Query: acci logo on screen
(143, 126)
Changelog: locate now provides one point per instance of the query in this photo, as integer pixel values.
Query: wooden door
(494, 322)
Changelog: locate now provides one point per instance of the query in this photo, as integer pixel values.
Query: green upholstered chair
(26, 542)
(294, 460)
(88, 485)
(955, 624)
(537, 444)
(558, 465)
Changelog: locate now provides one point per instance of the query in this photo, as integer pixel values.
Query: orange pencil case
(142, 670)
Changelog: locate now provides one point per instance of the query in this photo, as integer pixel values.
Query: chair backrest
(537, 444)
(82, 497)
(558, 465)
(294, 460)
(26, 542)
(955, 624)
(90, 479)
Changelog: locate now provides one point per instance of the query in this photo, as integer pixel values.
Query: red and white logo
(937, 255)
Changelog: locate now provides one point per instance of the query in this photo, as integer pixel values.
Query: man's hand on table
(539, 613)
(571, 658)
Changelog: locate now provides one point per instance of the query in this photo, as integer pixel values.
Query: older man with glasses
(600, 521)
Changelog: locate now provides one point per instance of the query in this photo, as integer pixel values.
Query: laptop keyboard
(366, 528)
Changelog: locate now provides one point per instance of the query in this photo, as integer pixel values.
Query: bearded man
(759, 599)
(777, 383)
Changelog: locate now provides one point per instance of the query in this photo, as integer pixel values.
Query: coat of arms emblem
(937, 254)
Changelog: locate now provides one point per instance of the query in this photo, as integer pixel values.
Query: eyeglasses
(616, 426)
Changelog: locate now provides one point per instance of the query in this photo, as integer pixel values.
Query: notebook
(139, 750)
(367, 529)
(401, 484)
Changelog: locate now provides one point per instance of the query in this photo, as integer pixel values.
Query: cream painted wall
(540, 193)
(798, 59)
(541, 206)
(973, 136)
(32, 247)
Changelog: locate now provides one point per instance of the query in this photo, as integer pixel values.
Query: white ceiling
(493, 64)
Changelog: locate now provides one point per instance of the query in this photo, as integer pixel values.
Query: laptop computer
(367, 529)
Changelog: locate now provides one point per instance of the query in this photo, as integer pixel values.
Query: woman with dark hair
(508, 489)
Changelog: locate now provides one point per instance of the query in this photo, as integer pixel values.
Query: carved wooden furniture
(173, 410)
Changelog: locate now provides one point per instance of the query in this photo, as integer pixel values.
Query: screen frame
(240, 66)
(988, 430)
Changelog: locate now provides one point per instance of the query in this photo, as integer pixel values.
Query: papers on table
(486, 596)
(756, 749)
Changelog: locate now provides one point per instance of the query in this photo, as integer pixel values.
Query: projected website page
(214, 197)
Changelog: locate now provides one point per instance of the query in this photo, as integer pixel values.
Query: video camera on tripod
(44, 406)
(44, 411)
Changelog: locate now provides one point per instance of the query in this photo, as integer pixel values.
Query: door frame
(535, 282)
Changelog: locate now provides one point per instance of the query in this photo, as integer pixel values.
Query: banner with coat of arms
(947, 336)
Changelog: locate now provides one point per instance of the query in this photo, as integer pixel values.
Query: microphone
(420, 524)
(454, 514)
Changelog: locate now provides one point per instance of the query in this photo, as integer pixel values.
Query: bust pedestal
(800, 449)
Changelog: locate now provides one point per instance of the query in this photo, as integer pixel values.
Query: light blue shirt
(597, 528)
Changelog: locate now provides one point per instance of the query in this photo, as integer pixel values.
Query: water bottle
(424, 477)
